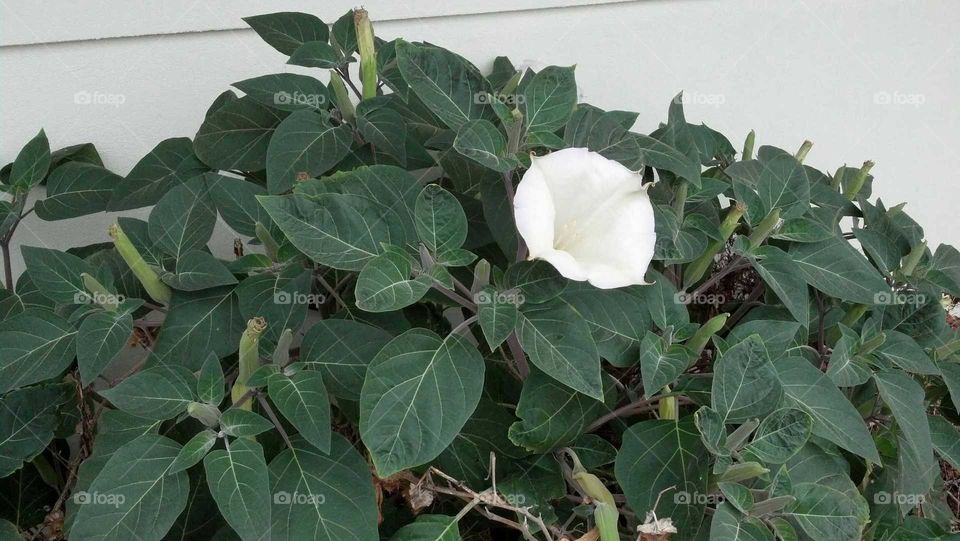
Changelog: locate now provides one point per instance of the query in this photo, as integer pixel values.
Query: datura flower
(588, 216)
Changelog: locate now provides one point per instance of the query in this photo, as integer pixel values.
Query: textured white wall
(862, 79)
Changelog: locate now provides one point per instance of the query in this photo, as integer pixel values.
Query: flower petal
(534, 213)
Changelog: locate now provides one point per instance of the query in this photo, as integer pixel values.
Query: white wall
(790, 69)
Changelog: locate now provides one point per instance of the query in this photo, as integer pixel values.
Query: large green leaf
(826, 513)
(549, 99)
(236, 200)
(240, 484)
(660, 455)
(945, 439)
(385, 285)
(341, 350)
(305, 145)
(102, 336)
(779, 273)
(440, 220)
(157, 393)
(199, 322)
(729, 524)
(135, 496)
(418, 393)
(386, 130)
(781, 435)
(322, 497)
(837, 269)
(36, 346)
(497, 316)
(211, 381)
(57, 274)
(198, 270)
(744, 382)
(783, 184)
(285, 31)
(242, 423)
(302, 399)
(31, 164)
(169, 164)
(282, 299)
(286, 91)
(904, 352)
(76, 189)
(316, 54)
(446, 83)
(236, 135)
(183, 219)
(560, 343)
(485, 144)
(617, 320)
(28, 418)
(551, 415)
(834, 417)
(468, 457)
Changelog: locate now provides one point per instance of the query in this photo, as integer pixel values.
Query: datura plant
(462, 305)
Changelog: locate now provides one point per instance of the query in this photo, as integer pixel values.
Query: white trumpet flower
(588, 216)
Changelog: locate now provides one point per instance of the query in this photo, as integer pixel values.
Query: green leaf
(316, 54)
(904, 352)
(236, 136)
(198, 270)
(737, 495)
(779, 273)
(102, 337)
(287, 91)
(713, 433)
(635, 151)
(287, 30)
(386, 130)
(826, 513)
(728, 523)
(743, 382)
(210, 383)
(837, 269)
(440, 220)
(485, 144)
(446, 83)
(322, 497)
(338, 230)
(304, 146)
(9, 531)
(468, 457)
(240, 484)
(76, 189)
(302, 399)
(32, 163)
(157, 393)
(559, 342)
(418, 393)
(135, 496)
(661, 363)
(169, 164)
(242, 423)
(236, 199)
(36, 346)
(497, 316)
(657, 455)
(199, 322)
(781, 435)
(282, 299)
(783, 184)
(834, 417)
(384, 284)
(28, 418)
(945, 439)
(341, 350)
(551, 415)
(549, 99)
(663, 301)
(183, 219)
(57, 274)
(193, 451)
(538, 281)
(918, 467)
(429, 528)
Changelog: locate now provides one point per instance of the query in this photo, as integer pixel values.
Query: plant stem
(7, 265)
(699, 266)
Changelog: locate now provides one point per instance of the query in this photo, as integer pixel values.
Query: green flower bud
(157, 290)
(368, 57)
